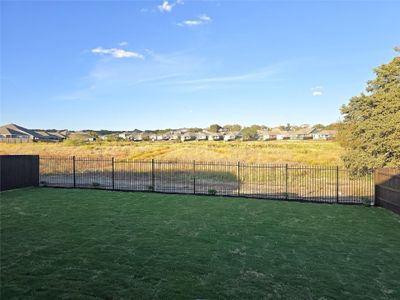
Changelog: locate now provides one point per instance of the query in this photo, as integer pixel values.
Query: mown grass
(88, 244)
(293, 152)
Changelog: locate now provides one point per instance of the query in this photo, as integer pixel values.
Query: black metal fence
(269, 181)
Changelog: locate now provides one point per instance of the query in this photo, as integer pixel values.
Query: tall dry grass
(292, 152)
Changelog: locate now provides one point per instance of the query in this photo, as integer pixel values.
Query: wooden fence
(387, 188)
(15, 140)
(18, 171)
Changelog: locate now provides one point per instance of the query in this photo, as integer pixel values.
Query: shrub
(212, 192)
(95, 184)
(366, 201)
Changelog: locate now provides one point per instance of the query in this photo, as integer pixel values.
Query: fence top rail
(291, 166)
(389, 172)
(18, 155)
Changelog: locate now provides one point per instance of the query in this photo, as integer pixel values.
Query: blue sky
(156, 64)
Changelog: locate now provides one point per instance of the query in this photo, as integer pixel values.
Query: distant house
(324, 135)
(140, 136)
(175, 136)
(269, 135)
(137, 137)
(231, 136)
(63, 134)
(16, 133)
(202, 136)
(282, 134)
(124, 135)
(215, 137)
(303, 133)
(11, 135)
(86, 136)
(188, 136)
(163, 137)
(50, 136)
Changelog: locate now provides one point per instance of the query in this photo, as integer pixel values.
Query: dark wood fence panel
(387, 188)
(18, 171)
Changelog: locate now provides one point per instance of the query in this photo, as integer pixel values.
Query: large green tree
(370, 131)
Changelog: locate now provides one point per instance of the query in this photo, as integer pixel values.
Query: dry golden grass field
(292, 152)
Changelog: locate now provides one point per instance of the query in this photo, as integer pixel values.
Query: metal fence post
(73, 169)
(286, 181)
(152, 175)
(376, 180)
(238, 177)
(337, 184)
(194, 177)
(113, 172)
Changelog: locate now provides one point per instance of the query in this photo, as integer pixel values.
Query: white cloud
(202, 19)
(190, 23)
(123, 43)
(205, 18)
(167, 7)
(117, 53)
(317, 91)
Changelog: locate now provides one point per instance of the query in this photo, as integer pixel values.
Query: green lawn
(92, 244)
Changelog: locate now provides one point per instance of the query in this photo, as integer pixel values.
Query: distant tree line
(248, 132)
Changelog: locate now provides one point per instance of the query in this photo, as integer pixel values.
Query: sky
(122, 65)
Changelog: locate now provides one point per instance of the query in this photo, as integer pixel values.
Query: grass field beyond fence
(318, 153)
(92, 244)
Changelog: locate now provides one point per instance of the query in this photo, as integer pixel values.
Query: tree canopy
(250, 133)
(233, 127)
(214, 128)
(370, 131)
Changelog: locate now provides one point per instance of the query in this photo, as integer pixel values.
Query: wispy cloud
(167, 6)
(202, 19)
(317, 91)
(123, 44)
(253, 76)
(117, 53)
(172, 73)
(205, 18)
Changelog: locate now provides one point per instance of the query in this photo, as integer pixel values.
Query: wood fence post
(376, 186)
